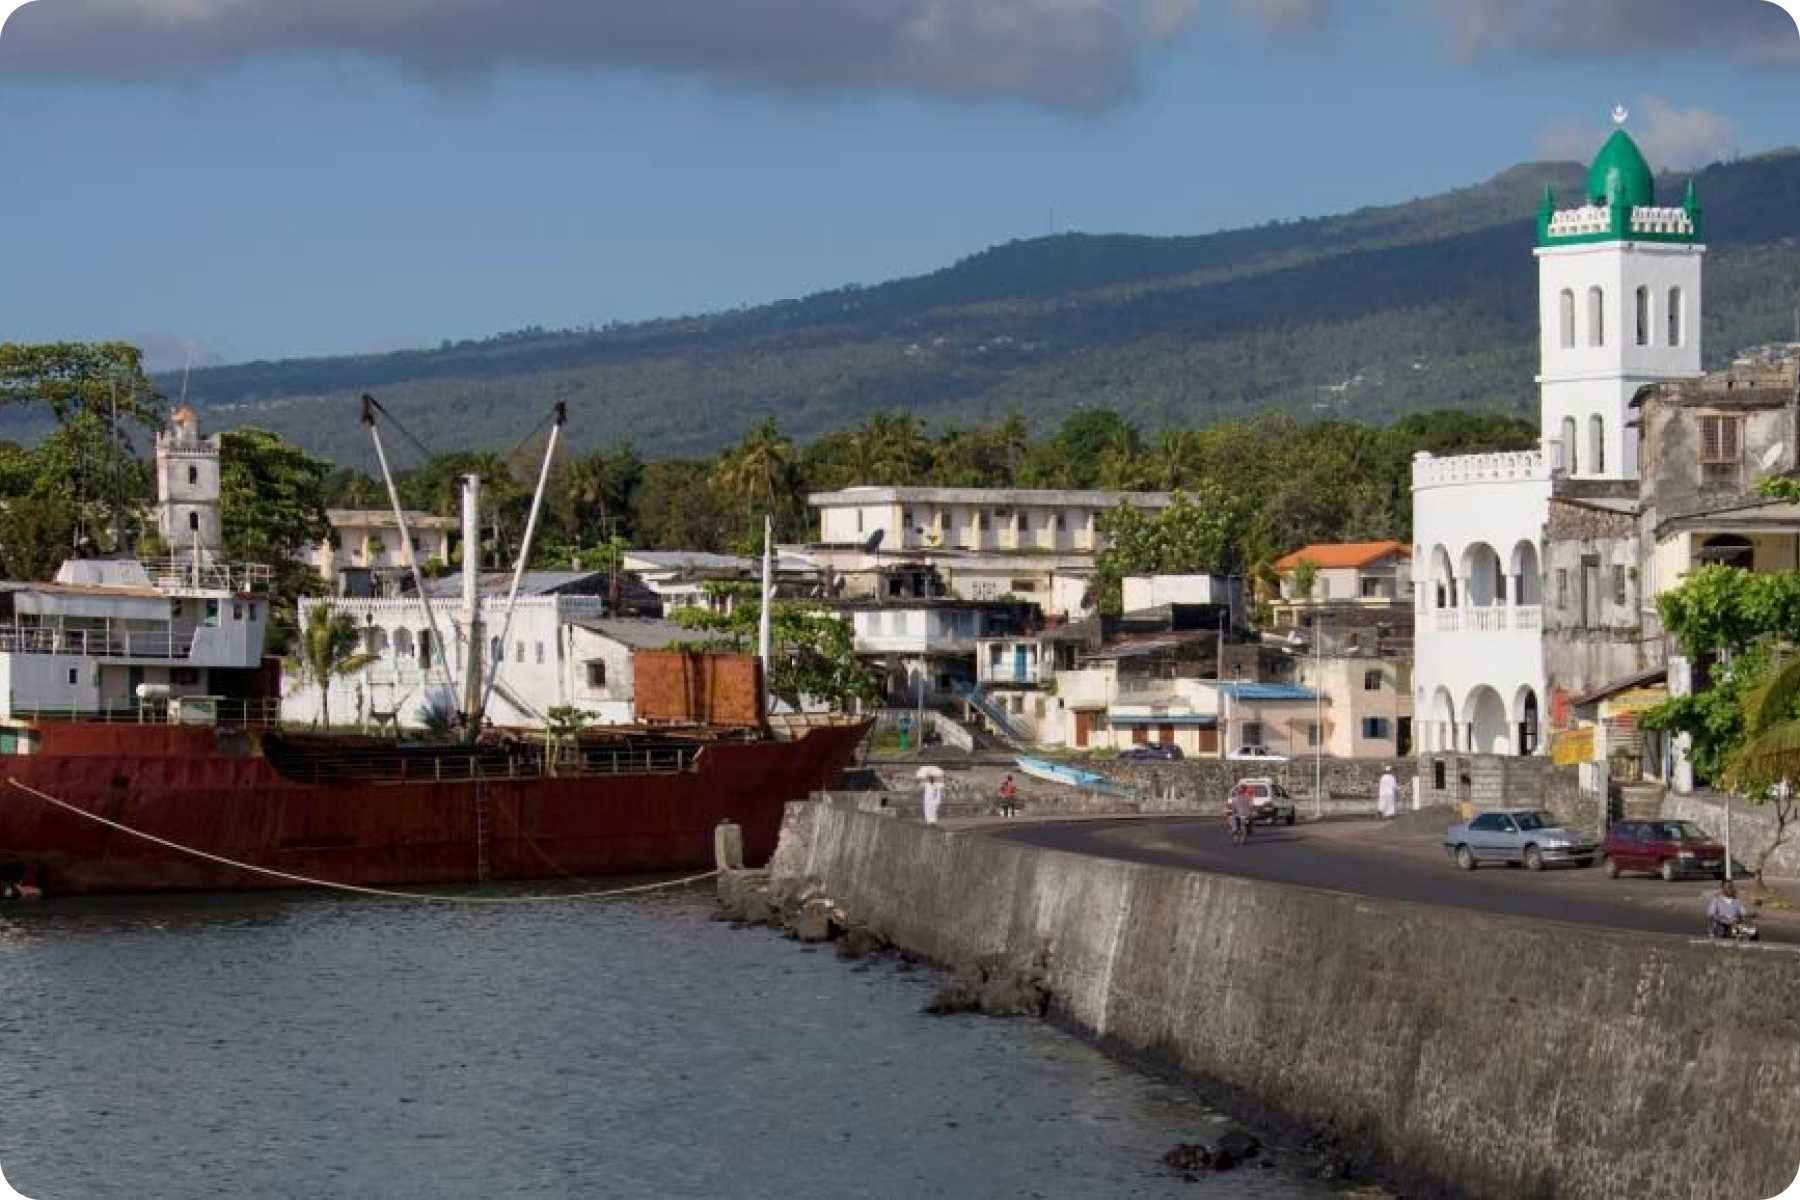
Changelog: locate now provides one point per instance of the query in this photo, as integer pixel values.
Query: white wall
(1499, 500)
(1586, 380)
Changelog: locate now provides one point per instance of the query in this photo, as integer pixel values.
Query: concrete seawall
(1451, 1052)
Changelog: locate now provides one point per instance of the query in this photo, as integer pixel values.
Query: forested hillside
(1366, 316)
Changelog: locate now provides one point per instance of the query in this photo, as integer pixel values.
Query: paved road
(1367, 859)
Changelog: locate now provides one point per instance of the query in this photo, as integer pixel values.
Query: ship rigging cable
(432, 897)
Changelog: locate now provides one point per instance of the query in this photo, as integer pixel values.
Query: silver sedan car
(1518, 835)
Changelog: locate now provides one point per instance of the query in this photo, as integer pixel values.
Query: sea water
(296, 1045)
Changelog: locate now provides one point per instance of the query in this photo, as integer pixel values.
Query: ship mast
(512, 595)
(471, 600)
(370, 406)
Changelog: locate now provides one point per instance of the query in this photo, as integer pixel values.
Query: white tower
(187, 488)
(1619, 306)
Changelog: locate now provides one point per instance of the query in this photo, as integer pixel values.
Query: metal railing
(96, 643)
(178, 571)
(490, 763)
(193, 710)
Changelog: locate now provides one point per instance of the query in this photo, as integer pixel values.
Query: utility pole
(1318, 719)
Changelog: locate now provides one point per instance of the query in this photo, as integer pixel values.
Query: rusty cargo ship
(369, 812)
(142, 744)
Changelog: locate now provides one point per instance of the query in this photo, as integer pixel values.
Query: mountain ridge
(1372, 313)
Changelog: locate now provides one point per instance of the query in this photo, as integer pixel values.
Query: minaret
(187, 488)
(1619, 307)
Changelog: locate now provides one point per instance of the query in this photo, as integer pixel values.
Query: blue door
(1018, 664)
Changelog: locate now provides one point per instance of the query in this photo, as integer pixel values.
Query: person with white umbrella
(932, 789)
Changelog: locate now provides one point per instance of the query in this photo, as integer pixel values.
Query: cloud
(1753, 29)
(1672, 138)
(1067, 54)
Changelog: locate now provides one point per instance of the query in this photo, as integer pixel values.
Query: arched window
(1596, 317)
(1568, 445)
(193, 476)
(403, 643)
(1596, 445)
(1675, 316)
(1568, 319)
(1643, 316)
(425, 647)
(194, 522)
(494, 651)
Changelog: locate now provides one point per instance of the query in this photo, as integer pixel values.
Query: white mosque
(1619, 307)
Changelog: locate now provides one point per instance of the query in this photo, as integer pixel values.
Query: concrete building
(1619, 309)
(1368, 702)
(1347, 575)
(927, 643)
(187, 488)
(983, 544)
(693, 578)
(364, 555)
(601, 679)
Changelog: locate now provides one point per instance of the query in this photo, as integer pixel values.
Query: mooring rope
(432, 897)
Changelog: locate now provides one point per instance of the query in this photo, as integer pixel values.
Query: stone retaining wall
(1201, 785)
(1450, 1051)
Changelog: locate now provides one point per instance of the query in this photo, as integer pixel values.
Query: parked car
(1518, 835)
(1255, 754)
(1273, 805)
(1671, 849)
(1152, 752)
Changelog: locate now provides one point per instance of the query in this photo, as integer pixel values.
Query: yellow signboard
(1572, 746)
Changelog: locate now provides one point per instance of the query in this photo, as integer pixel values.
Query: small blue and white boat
(1054, 772)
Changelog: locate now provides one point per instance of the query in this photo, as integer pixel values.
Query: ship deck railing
(96, 643)
(188, 710)
(486, 764)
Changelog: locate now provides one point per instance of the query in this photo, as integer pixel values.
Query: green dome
(1620, 175)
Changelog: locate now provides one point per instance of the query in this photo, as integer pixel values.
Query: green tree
(327, 649)
(757, 477)
(1199, 533)
(272, 511)
(811, 646)
(677, 509)
(68, 378)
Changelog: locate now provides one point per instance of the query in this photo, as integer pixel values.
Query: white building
(534, 665)
(365, 556)
(1619, 308)
(187, 488)
(982, 543)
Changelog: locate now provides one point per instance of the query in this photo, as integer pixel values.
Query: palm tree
(892, 449)
(1170, 464)
(758, 472)
(327, 650)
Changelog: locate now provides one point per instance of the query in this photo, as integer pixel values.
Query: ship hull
(214, 792)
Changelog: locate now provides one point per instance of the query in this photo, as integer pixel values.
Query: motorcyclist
(1724, 911)
(1243, 810)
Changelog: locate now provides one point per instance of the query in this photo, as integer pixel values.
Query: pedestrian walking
(1387, 794)
(1009, 797)
(934, 799)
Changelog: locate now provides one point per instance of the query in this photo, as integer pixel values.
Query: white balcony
(1491, 619)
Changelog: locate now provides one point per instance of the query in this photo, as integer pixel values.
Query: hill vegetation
(1366, 316)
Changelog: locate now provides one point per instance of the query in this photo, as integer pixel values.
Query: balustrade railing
(1494, 618)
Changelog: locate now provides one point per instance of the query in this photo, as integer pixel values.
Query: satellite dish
(1771, 457)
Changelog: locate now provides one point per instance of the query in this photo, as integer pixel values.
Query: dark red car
(1671, 849)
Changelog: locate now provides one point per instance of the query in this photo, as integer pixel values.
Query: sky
(241, 179)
